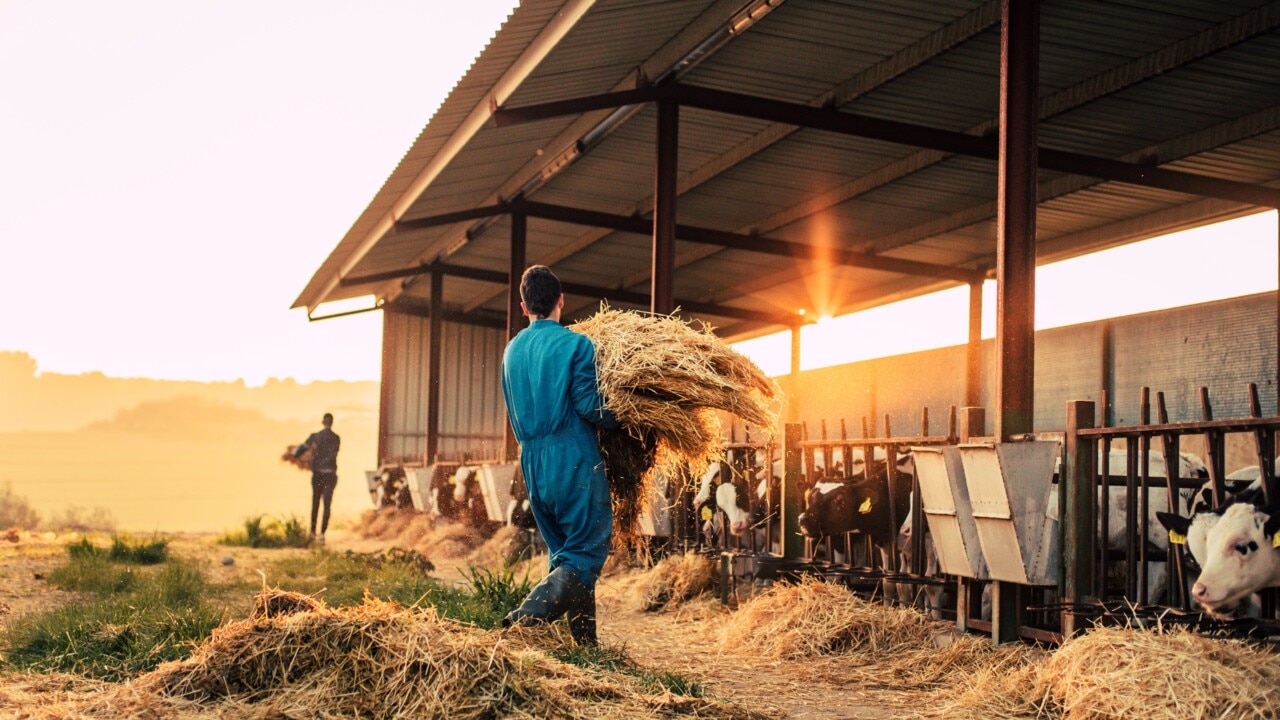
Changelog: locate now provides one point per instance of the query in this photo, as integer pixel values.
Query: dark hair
(540, 290)
(327, 419)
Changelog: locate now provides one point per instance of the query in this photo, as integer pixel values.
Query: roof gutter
(533, 55)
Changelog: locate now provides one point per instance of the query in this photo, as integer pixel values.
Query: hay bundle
(1115, 673)
(676, 579)
(273, 602)
(813, 618)
(665, 381)
(382, 660)
(302, 462)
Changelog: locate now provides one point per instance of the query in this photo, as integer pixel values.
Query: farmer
(554, 403)
(324, 471)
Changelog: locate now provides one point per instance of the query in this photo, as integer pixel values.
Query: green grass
(131, 620)
(259, 532)
(124, 549)
(342, 579)
(488, 596)
(616, 660)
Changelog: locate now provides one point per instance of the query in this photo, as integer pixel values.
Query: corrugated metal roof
(1192, 85)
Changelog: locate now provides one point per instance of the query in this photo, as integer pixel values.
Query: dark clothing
(554, 403)
(324, 450)
(324, 472)
(322, 485)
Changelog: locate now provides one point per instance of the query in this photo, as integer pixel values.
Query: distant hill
(56, 402)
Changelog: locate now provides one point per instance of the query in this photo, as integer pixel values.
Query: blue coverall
(553, 402)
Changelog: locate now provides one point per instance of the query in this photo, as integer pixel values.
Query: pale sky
(172, 173)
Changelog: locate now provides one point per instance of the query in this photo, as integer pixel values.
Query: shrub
(15, 511)
(125, 548)
(262, 533)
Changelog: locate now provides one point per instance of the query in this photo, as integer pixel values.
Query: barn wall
(1223, 345)
(472, 416)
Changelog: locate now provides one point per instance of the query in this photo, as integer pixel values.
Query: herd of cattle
(1233, 550)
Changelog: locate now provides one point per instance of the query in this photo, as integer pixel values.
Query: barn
(754, 164)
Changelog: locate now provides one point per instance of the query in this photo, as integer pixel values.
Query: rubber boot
(582, 619)
(553, 597)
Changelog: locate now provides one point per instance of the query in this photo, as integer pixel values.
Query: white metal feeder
(1009, 488)
(944, 497)
(375, 487)
(495, 488)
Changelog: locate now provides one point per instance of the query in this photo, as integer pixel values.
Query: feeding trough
(423, 479)
(495, 487)
(375, 487)
(944, 497)
(1009, 487)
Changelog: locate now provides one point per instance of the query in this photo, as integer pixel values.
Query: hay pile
(897, 649)
(382, 660)
(1111, 672)
(433, 537)
(665, 381)
(676, 579)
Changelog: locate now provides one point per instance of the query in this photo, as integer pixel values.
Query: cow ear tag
(865, 507)
(1177, 538)
(706, 514)
(1275, 540)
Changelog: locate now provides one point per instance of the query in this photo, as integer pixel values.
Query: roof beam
(592, 291)
(909, 58)
(519, 70)
(947, 141)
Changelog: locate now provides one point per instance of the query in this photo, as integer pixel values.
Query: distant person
(554, 405)
(324, 471)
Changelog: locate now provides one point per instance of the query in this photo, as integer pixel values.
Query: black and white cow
(723, 488)
(468, 502)
(860, 502)
(1236, 548)
(526, 540)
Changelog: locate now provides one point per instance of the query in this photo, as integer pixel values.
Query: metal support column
(793, 404)
(515, 316)
(792, 500)
(664, 210)
(435, 324)
(973, 354)
(1016, 251)
(973, 424)
(1078, 500)
(1016, 224)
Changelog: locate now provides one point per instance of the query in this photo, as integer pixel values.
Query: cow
(725, 488)
(1236, 547)
(525, 541)
(860, 502)
(393, 488)
(468, 503)
(1190, 466)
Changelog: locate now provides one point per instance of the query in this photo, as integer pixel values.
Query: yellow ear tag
(1275, 540)
(706, 514)
(1177, 538)
(865, 507)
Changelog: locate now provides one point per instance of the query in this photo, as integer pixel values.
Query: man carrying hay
(323, 446)
(554, 404)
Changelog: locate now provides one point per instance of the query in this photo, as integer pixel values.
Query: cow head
(726, 490)
(462, 481)
(1235, 547)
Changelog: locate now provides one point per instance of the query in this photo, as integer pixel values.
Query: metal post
(436, 324)
(973, 423)
(515, 316)
(1078, 503)
(792, 542)
(664, 210)
(1016, 221)
(973, 354)
(793, 402)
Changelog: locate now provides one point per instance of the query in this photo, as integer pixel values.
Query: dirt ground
(682, 640)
